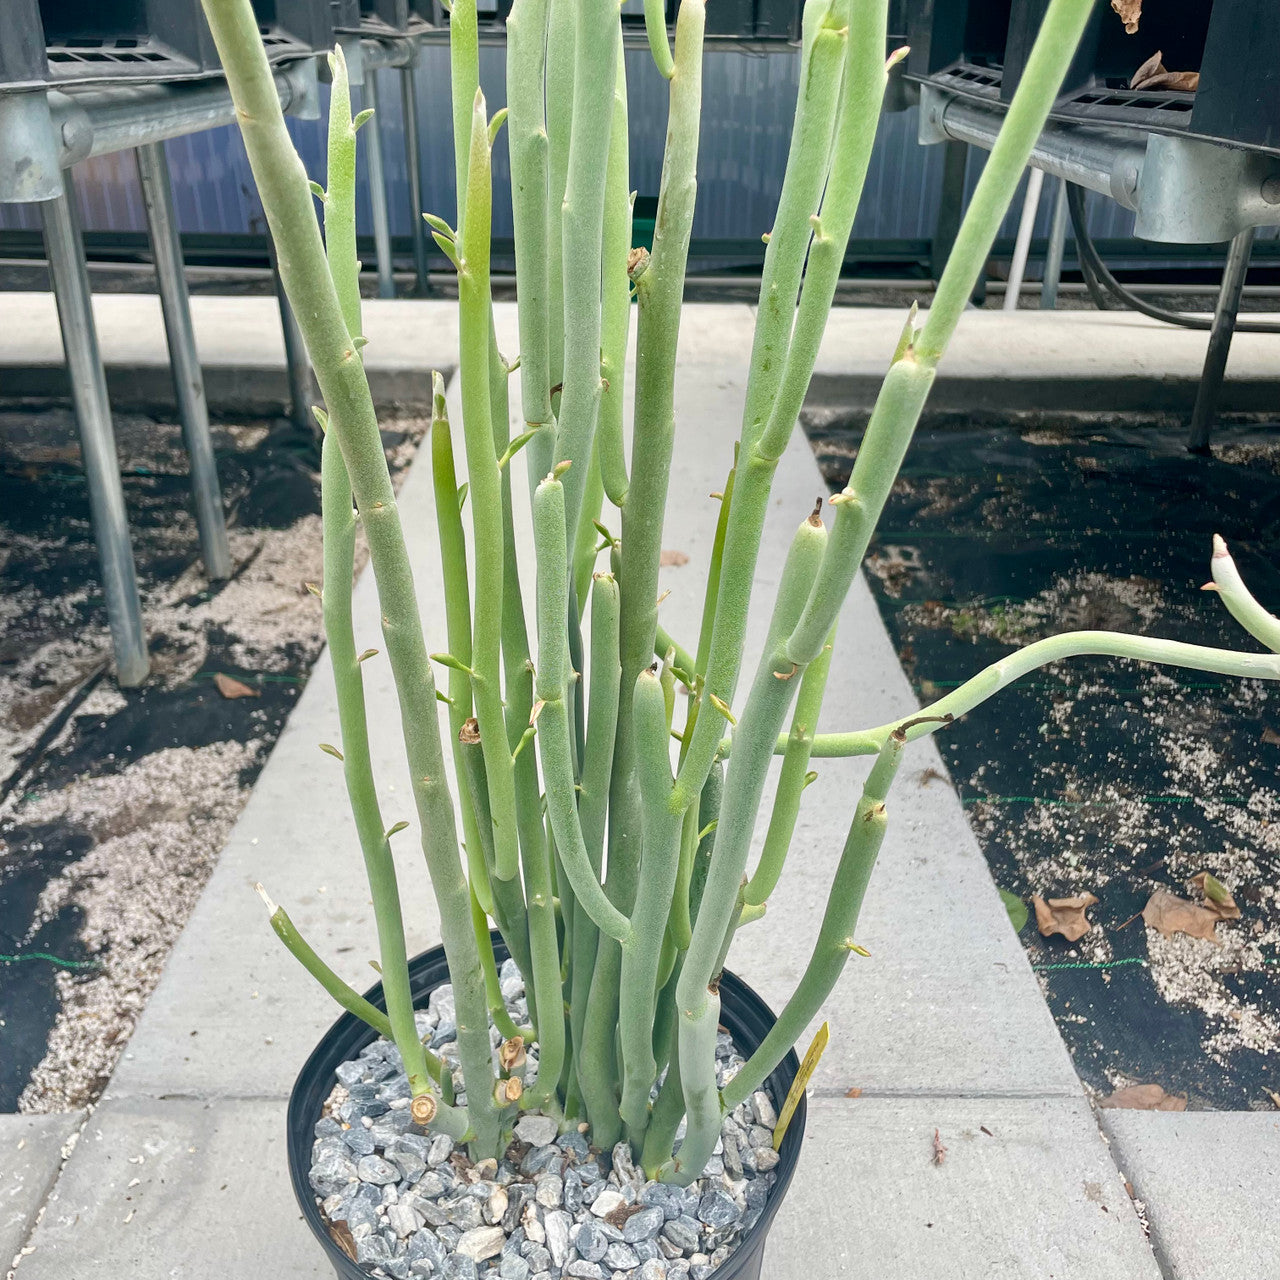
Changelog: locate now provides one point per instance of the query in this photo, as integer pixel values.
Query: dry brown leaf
(1271, 737)
(1063, 915)
(1153, 66)
(855, 1092)
(1181, 81)
(939, 1151)
(341, 1235)
(1274, 1096)
(1217, 897)
(230, 687)
(1170, 914)
(1153, 74)
(1144, 1097)
(673, 559)
(1130, 12)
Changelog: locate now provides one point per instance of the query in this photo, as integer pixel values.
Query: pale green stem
(616, 303)
(527, 145)
(825, 36)
(641, 952)
(340, 527)
(836, 936)
(697, 995)
(596, 40)
(340, 198)
(1072, 644)
(655, 25)
(792, 780)
(561, 32)
(659, 291)
(485, 498)
(339, 559)
(464, 84)
(593, 1057)
(860, 102)
(586, 541)
(1239, 600)
(457, 608)
(286, 199)
(492, 986)
(552, 709)
(346, 995)
(448, 1118)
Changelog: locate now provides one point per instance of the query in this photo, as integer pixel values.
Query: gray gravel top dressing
(410, 1206)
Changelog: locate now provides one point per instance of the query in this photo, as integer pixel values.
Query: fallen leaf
(1153, 74)
(939, 1151)
(1130, 12)
(1144, 1097)
(230, 687)
(1169, 914)
(1217, 897)
(1153, 66)
(673, 559)
(1274, 1096)
(341, 1235)
(855, 1092)
(1063, 915)
(1271, 737)
(1181, 81)
(1016, 908)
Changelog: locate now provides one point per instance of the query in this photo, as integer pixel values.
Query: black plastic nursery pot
(742, 1013)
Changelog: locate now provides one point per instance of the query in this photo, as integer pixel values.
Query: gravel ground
(114, 804)
(403, 1203)
(1101, 776)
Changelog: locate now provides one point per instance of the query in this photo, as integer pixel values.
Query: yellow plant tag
(813, 1055)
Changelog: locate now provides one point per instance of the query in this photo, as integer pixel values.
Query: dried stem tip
(511, 1054)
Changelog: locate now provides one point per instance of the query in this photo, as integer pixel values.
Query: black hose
(1100, 282)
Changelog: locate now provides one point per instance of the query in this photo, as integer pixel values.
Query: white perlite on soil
(405, 1204)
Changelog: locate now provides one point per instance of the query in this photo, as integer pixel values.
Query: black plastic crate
(22, 58)
(96, 41)
(956, 33)
(385, 17)
(1239, 94)
(980, 49)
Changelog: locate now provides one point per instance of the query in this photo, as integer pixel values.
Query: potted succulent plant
(591, 1094)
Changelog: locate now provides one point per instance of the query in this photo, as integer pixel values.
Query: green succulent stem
(836, 934)
(457, 606)
(552, 710)
(530, 177)
(485, 494)
(614, 864)
(287, 200)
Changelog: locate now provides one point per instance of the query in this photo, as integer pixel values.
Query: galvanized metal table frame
(43, 134)
(1183, 190)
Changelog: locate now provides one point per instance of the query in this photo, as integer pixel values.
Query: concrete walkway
(180, 1171)
(1107, 361)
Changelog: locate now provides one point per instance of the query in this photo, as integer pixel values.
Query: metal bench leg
(297, 364)
(188, 384)
(409, 101)
(1057, 249)
(97, 439)
(372, 134)
(1022, 245)
(955, 158)
(1224, 326)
